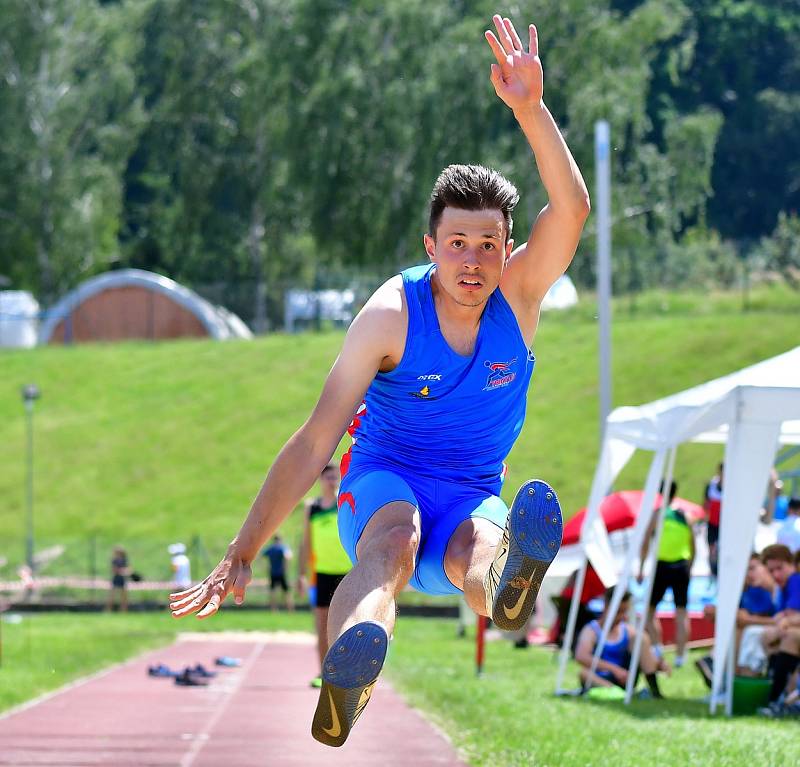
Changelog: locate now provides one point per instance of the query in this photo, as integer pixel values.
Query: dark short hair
(794, 503)
(673, 488)
(609, 593)
(472, 187)
(777, 551)
(328, 467)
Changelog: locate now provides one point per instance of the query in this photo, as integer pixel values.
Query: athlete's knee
(471, 535)
(396, 546)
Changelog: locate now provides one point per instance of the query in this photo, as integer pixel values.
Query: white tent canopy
(752, 411)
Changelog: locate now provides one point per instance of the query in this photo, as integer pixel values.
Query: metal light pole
(30, 394)
(603, 172)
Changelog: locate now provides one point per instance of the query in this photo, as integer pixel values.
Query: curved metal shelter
(134, 303)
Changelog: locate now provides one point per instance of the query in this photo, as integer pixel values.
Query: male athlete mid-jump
(432, 381)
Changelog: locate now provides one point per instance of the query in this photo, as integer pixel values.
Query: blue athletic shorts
(442, 506)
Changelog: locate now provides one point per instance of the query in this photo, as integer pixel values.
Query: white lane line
(201, 738)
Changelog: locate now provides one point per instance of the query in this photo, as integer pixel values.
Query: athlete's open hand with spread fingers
(230, 575)
(517, 77)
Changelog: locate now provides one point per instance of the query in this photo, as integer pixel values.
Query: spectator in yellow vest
(322, 551)
(675, 558)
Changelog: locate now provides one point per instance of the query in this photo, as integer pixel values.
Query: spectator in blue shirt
(782, 638)
(279, 555)
(756, 609)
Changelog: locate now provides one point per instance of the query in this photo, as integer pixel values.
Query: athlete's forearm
(295, 470)
(558, 170)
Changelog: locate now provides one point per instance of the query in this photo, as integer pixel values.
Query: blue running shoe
(349, 673)
(530, 542)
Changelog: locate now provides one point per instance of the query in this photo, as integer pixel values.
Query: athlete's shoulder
(389, 298)
(381, 325)
(385, 310)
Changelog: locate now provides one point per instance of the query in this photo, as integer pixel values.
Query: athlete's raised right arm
(374, 342)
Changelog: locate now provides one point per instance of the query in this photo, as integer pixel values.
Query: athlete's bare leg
(501, 571)
(361, 619)
(386, 556)
(468, 557)
(321, 620)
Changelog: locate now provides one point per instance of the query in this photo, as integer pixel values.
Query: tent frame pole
(652, 559)
(646, 511)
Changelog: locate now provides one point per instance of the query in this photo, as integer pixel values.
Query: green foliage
(71, 117)
(296, 139)
(746, 65)
(700, 260)
(781, 251)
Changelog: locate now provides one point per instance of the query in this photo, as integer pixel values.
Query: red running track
(258, 714)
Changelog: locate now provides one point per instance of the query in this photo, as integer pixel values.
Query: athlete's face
(470, 252)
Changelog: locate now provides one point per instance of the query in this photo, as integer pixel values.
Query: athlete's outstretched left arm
(518, 80)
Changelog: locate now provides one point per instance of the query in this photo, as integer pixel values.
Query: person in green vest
(675, 558)
(322, 555)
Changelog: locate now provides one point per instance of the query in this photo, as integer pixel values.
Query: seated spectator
(593, 588)
(615, 659)
(789, 531)
(756, 609)
(782, 639)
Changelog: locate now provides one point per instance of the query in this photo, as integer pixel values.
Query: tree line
(277, 142)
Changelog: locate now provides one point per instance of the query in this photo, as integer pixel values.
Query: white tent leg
(729, 681)
(646, 511)
(748, 457)
(648, 590)
(569, 631)
(594, 539)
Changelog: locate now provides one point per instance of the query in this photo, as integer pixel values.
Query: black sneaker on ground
(349, 673)
(531, 540)
(202, 671)
(187, 678)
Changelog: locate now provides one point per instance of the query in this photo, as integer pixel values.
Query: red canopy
(619, 512)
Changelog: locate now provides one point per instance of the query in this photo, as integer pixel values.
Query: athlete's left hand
(517, 77)
(232, 574)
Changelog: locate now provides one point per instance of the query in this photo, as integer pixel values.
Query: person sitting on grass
(756, 609)
(615, 659)
(781, 640)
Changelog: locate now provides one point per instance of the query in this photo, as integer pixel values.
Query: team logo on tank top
(501, 374)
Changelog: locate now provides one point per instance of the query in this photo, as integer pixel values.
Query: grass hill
(145, 444)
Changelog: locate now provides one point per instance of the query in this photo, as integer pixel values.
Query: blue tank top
(440, 414)
(616, 653)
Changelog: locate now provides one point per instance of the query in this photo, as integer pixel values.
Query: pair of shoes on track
(530, 542)
(190, 676)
